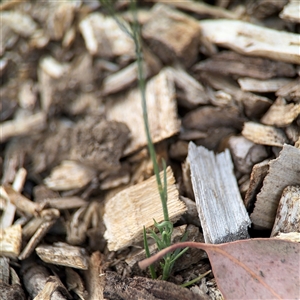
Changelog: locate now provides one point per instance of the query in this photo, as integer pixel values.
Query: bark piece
(172, 35)
(254, 105)
(232, 63)
(291, 91)
(75, 284)
(22, 126)
(137, 206)
(264, 8)
(104, 37)
(245, 153)
(264, 135)
(11, 292)
(221, 211)
(179, 150)
(143, 288)
(11, 240)
(283, 171)
(35, 278)
(281, 114)
(64, 255)
(254, 40)
(262, 86)
(190, 91)
(259, 172)
(291, 12)
(161, 104)
(95, 277)
(69, 175)
(288, 212)
(208, 117)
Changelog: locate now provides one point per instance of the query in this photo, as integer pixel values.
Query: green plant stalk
(146, 246)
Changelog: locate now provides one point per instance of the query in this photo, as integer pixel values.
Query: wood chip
(172, 35)
(290, 91)
(264, 135)
(11, 240)
(288, 212)
(135, 207)
(259, 172)
(291, 12)
(283, 171)
(262, 86)
(245, 153)
(281, 114)
(232, 63)
(69, 175)
(64, 255)
(254, 40)
(221, 210)
(162, 111)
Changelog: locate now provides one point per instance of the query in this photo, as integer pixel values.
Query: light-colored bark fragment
(64, 255)
(262, 86)
(22, 126)
(131, 209)
(220, 207)
(264, 135)
(259, 172)
(291, 236)
(250, 39)
(75, 284)
(95, 277)
(11, 241)
(162, 111)
(288, 212)
(291, 12)
(192, 92)
(290, 91)
(104, 37)
(283, 171)
(281, 114)
(245, 153)
(69, 175)
(172, 35)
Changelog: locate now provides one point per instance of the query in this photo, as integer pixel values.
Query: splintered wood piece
(259, 172)
(22, 126)
(64, 255)
(75, 284)
(254, 105)
(246, 153)
(131, 209)
(264, 135)
(52, 284)
(291, 236)
(103, 37)
(172, 35)
(69, 175)
(22, 203)
(35, 278)
(290, 91)
(191, 92)
(143, 288)
(281, 114)
(283, 171)
(220, 207)
(124, 78)
(291, 12)
(288, 212)
(232, 63)
(262, 86)
(11, 241)
(5, 273)
(95, 277)
(162, 112)
(254, 40)
(36, 238)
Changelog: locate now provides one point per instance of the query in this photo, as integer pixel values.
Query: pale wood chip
(11, 241)
(283, 171)
(264, 135)
(291, 12)
(250, 39)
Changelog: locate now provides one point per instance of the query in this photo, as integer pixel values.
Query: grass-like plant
(165, 228)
